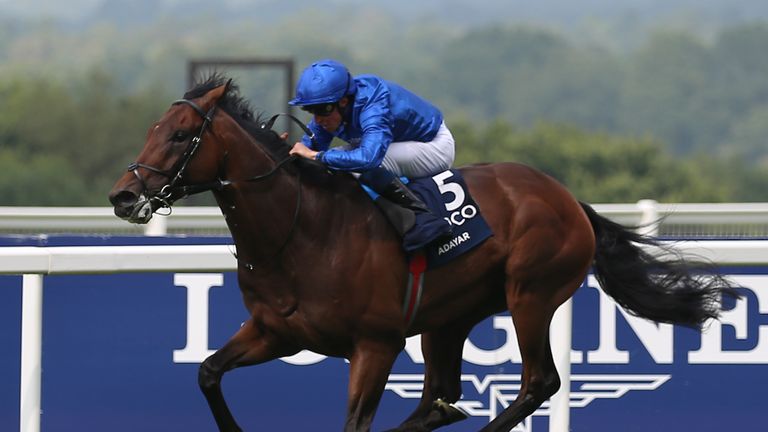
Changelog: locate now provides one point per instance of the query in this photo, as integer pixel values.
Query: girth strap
(416, 269)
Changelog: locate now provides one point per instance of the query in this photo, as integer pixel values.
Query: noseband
(171, 191)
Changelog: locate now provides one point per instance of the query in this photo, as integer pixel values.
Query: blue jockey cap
(324, 81)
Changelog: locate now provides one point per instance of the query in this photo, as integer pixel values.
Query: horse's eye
(179, 136)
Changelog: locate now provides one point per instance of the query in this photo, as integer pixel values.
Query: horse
(320, 268)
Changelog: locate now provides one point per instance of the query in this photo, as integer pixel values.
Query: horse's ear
(226, 86)
(217, 93)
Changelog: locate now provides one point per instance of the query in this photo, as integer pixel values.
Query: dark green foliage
(602, 168)
(66, 146)
(678, 117)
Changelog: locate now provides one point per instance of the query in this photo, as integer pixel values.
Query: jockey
(389, 131)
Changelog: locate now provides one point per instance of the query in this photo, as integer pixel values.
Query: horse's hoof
(451, 412)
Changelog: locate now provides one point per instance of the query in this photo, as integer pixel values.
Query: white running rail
(722, 219)
(34, 262)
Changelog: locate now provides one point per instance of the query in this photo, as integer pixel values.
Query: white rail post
(31, 352)
(561, 337)
(157, 226)
(649, 219)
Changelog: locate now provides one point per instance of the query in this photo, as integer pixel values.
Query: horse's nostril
(123, 199)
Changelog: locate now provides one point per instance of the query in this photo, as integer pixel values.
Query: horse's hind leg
(250, 345)
(442, 351)
(532, 309)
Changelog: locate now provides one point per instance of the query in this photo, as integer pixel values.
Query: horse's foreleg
(369, 369)
(250, 345)
(442, 351)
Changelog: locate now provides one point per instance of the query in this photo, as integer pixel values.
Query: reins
(220, 184)
(172, 192)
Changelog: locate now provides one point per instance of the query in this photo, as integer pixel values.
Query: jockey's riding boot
(398, 193)
(412, 219)
(388, 185)
(401, 218)
(430, 226)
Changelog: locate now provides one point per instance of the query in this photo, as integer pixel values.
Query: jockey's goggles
(320, 110)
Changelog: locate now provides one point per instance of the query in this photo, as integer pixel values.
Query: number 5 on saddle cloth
(447, 196)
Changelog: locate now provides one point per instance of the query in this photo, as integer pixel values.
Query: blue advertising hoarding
(120, 353)
(10, 349)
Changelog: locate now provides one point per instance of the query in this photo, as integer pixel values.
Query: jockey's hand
(284, 136)
(300, 149)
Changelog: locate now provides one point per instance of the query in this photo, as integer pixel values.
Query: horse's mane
(240, 110)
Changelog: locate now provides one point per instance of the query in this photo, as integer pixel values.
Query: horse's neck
(268, 218)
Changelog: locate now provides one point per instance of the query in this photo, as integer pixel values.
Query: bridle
(172, 191)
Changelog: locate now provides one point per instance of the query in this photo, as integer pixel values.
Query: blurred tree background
(628, 103)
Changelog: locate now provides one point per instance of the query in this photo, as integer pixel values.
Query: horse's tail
(663, 288)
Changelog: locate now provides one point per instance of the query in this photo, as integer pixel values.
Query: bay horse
(320, 268)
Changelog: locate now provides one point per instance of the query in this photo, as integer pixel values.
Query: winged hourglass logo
(494, 392)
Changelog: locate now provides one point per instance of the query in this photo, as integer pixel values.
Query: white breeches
(415, 159)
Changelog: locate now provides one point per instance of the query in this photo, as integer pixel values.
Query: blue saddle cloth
(447, 195)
